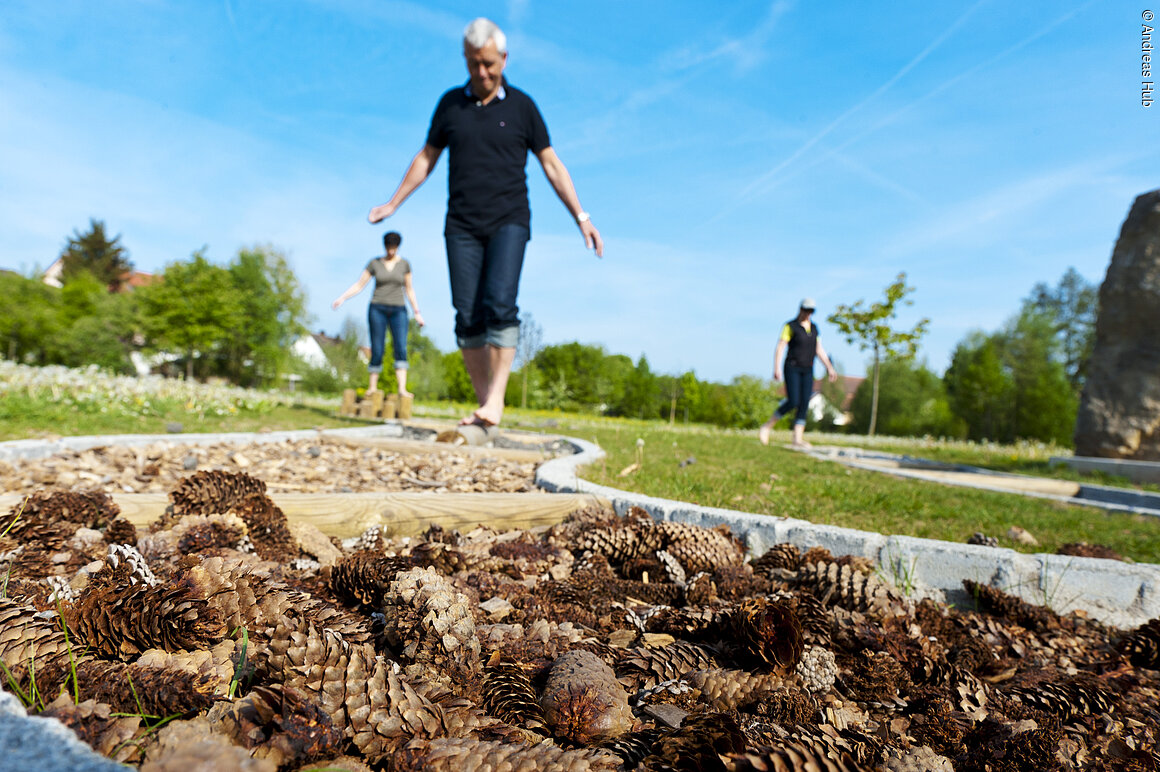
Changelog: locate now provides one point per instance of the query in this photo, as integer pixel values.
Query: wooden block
(405, 403)
(391, 406)
(366, 409)
(376, 398)
(349, 399)
(344, 515)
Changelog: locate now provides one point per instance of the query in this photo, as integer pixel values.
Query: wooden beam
(400, 445)
(344, 515)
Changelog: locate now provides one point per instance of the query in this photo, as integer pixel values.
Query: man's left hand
(592, 237)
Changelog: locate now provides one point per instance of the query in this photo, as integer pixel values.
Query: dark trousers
(379, 318)
(485, 279)
(799, 387)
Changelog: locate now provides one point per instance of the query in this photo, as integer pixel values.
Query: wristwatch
(583, 217)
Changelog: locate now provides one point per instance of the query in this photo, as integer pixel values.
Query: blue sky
(735, 156)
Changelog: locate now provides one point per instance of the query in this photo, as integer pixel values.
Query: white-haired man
(489, 127)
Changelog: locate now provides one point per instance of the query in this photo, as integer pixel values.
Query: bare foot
(406, 394)
(489, 415)
(763, 434)
(803, 445)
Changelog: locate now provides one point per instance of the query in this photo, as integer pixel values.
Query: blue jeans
(485, 278)
(379, 317)
(799, 387)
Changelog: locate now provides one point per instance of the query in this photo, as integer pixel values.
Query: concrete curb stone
(44, 744)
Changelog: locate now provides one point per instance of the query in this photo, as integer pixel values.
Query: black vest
(803, 346)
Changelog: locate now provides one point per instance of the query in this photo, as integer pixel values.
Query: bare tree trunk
(874, 397)
(524, 398)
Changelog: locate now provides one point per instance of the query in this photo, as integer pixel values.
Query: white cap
(809, 303)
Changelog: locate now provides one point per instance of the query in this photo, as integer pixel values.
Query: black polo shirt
(486, 183)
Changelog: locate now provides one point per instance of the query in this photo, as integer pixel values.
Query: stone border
(1136, 471)
(1123, 595)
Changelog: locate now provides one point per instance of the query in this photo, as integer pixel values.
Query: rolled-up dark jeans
(485, 279)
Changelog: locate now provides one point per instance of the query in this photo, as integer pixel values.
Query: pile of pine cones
(224, 639)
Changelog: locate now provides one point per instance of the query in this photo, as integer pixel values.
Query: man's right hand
(380, 213)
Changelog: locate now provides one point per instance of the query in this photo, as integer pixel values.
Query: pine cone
(784, 557)
(120, 618)
(27, 641)
(486, 756)
(723, 689)
(363, 578)
(918, 759)
(1141, 647)
(95, 725)
(279, 724)
(508, 695)
(193, 745)
(120, 531)
(790, 758)
(767, 633)
(583, 701)
(845, 586)
(817, 669)
(212, 492)
(1067, 700)
(267, 526)
(703, 549)
(427, 620)
(699, 744)
(994, 601)
(644, 668)
(617, 544)
(192, 534)
(90, 509)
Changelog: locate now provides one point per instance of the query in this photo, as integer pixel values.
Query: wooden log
(399, 445)
(405, 404)
(468, 434)
(376, 398)
(344, 515)
(366, 409)
(349, 400)
(391, 406)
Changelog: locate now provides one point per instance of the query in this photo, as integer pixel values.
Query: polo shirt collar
(500, 95)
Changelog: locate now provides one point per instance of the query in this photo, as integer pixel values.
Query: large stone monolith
(1119, 412)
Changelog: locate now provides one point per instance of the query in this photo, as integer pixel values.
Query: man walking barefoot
(489, 127)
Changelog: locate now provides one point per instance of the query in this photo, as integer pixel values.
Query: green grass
(36, 419)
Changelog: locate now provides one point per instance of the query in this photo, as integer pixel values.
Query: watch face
(582, 217)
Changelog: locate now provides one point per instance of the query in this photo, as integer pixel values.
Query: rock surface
(1119, 413)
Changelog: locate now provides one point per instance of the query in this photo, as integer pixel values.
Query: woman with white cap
(799, 341)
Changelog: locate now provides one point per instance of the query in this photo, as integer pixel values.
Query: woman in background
(392, 276)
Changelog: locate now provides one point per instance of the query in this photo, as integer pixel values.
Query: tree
(978, 389)
(94, 252)
(870, 327)
(194, 309)
(29, 318)
(641, 393)
(530, 343)
(272, 315)
(1010, 385)
(1071, 306)
(912, 401)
